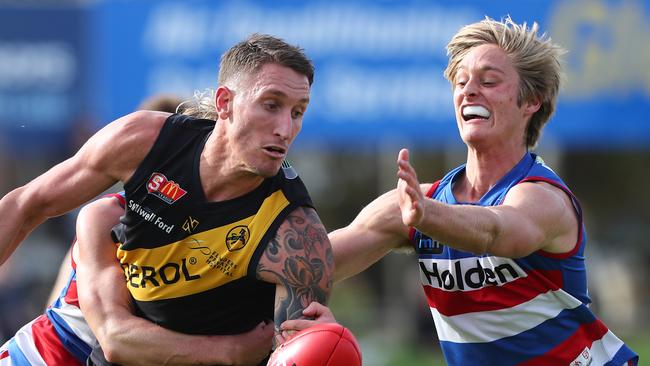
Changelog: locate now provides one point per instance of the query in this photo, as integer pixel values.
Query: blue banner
(378, 64)
(41, 66)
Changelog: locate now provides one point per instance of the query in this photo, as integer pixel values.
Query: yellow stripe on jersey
(202, 261)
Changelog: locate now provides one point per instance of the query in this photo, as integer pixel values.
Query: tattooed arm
(300, 261)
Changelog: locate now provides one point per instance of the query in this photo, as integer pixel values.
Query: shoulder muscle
(121, 145)
(546, 210)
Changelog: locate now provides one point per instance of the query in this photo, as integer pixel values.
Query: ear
(532, 106)
(223, 101)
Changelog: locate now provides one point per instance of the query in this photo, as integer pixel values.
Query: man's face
(268, 108)
(485, 100)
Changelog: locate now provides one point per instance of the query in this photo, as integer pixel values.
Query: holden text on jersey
(469, 273)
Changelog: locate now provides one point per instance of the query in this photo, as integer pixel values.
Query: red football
(327, 344)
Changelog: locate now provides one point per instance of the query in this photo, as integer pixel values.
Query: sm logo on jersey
(167, 190)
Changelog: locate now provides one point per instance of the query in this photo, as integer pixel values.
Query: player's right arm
(111, 155)
(376, 230)
(128, 339)
(299, 261)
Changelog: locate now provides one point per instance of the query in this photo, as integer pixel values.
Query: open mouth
(475, 112)
(275, 150)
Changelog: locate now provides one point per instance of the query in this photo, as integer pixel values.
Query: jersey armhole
(578, 211)
(145, 166)
(251, 271)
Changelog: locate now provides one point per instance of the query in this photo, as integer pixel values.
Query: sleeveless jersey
(61, 336)
(190, 264)
(491, 310)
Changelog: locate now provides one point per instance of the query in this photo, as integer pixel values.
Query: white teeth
(476, 110)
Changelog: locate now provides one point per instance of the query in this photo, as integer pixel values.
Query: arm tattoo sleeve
(300, 260)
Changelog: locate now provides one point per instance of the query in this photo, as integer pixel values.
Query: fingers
(316, 309)
(405, 170)
(414, 193)
(288, 334)
(317, 312)
(403, 155)
(410, 195)
(403, 162)
(297, 324)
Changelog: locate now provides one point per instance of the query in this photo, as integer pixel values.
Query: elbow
(24, 217)
(113, 346)
(27, 207)
(110, 355)
(110, 343)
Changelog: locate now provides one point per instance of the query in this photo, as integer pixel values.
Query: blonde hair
(535, 57)
(202, 105)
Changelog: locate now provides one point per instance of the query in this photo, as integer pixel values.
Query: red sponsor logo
(167, 190)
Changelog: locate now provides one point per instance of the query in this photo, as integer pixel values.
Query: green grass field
(418, 357)
(641, 345)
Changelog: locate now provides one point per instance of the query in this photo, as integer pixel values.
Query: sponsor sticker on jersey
(237, 237)
(167, 190)
(190, 224)
(469, 273)
(584, 359)
(288, 170)
(426, 245)
(148, 215)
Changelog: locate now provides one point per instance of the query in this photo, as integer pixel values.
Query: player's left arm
(300, 261)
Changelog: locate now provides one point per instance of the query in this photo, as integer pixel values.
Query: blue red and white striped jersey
(61, 336)
(491, 310)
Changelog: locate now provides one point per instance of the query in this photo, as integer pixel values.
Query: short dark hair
(244, 59)
(249, 55)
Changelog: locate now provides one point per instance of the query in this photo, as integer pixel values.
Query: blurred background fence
(69, 67)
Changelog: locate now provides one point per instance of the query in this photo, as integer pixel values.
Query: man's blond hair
(535, 57)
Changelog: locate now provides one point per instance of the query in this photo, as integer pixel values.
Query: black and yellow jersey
(190, 264)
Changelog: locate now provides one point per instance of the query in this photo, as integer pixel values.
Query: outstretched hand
(410, 197)
(315, 313)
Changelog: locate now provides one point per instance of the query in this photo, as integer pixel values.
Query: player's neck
(484, 170)
(223, 188)
(223, 181)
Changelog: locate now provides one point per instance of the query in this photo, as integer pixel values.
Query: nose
(470, 88)
(284, 126)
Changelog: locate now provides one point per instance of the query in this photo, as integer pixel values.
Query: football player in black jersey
(253, 117)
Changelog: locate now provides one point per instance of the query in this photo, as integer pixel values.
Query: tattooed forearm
(300, 260)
